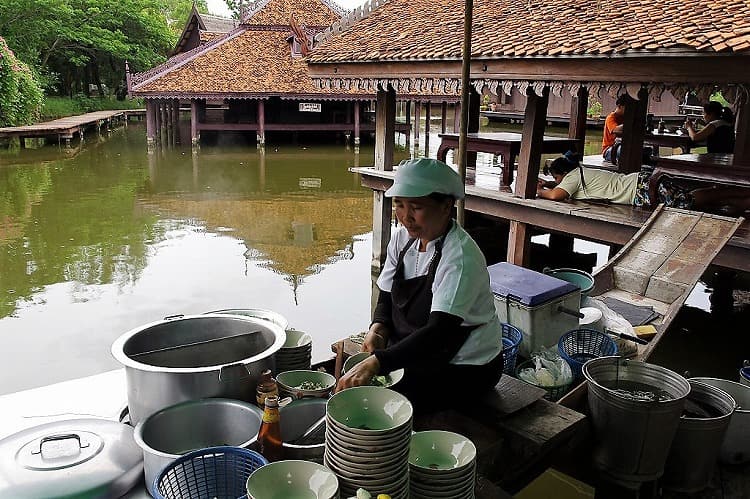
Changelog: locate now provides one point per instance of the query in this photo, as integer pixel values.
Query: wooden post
(195, 136)
(261, 135)
(417, 122)
(427, 113)
(473, 127)
(457, 117)
(385, 133)
(534, 122)
(634, 131)
(742, 126)
(407, 113)
(443, 116)
(356, 123)
(578, 112)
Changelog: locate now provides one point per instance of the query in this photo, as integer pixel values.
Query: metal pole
(465, 92)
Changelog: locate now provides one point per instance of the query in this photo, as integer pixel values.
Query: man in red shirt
(613, 130)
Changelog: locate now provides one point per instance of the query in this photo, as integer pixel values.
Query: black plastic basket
(581, 345)
(512, 337)
(215, 472)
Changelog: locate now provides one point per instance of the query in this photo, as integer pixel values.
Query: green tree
(21, 96)
(234, 6)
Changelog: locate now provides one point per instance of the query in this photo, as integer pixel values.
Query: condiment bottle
(269, 436)
(661, 126)
(266, 387)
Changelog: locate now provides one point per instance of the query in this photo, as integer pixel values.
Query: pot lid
(82, 458)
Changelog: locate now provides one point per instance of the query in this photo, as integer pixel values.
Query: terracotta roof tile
(417, 29)
(277, 12)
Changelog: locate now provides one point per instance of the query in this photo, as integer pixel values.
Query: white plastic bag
(549, 370)
(612, 322)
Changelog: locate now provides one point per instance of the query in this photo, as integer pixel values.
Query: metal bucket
(695, 447)
(194, 357)
(633, 436)
(735, 449)
(295, 418)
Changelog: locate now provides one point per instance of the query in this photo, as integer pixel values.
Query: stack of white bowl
(442, 464)
(296, 353)
(368, 432)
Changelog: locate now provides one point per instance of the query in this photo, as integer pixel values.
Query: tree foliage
(77, 43)
(20, 94)
(234, 7)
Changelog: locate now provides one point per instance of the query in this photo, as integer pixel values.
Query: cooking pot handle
(233, 372)
(175, 316)
(62, 436)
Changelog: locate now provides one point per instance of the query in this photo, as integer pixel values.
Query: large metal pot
(193, 357)
(633, 436)
(296, 417)
(197, 424)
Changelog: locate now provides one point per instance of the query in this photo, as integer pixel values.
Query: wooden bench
(517, 433)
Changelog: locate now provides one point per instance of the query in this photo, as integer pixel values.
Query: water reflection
(110, 238)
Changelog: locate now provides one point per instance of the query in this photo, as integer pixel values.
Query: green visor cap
(416, 178)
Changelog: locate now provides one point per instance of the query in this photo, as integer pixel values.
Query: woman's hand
(376, 338)
(360, 374)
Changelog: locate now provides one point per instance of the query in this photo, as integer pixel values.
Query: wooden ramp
(63, 128)
(663, 261)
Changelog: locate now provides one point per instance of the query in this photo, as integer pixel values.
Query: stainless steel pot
(295, 418)
(171, 432)
(193, 357)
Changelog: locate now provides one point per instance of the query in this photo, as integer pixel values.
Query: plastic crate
(581, 345)
(512, 337)
(553, 392)
(215, 472)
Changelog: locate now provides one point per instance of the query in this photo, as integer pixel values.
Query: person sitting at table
(719, 130)
(573, 181)
(613, 131)
(435, 316)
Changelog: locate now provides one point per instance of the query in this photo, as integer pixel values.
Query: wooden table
(504, 144)
(711, 160)
(672, 140)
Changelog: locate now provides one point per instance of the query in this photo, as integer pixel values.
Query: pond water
(104, 237)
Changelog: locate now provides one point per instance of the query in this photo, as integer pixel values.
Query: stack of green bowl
(441, 464)
(290, 479)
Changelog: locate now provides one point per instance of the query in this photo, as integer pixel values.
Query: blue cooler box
(532, 302)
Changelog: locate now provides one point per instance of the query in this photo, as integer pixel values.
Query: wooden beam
(519, 239)
(456, 117)
(443, 116)
(473, 127)
(417, 121)
(634, 131)
(742, 128)
(356, 122)
(407, 112)
(427, 118)
(195, 136)
(578, 113)
(150, 123)
(261, 134)
(385, 135)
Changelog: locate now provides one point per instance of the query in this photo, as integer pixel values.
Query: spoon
(312, 432)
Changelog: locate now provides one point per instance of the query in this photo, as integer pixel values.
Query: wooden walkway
(65, 128)
(608, 224)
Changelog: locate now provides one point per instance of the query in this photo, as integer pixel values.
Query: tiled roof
(252, 62)
(433, 29)
(277, 12)
(218, 24)
(207, 36)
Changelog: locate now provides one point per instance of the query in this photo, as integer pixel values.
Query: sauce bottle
(267, 387)
(269, 436)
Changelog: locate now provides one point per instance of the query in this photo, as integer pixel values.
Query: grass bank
(58, 107)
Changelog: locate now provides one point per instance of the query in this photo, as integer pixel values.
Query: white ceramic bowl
(286, 479)
(435, 451)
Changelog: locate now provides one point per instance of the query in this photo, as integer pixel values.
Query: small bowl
(437, 451)
(290, 381)
(284, 479)
(370, 410)
(392, 377)
(297, 339)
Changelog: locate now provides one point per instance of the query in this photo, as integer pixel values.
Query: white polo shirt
(461, 288)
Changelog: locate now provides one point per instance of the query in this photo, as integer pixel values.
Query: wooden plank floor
(61, 125)
(608, 224)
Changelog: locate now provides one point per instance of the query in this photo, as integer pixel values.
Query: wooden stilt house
(538, 48)
(202, 28)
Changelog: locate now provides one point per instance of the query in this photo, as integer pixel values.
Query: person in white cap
(435, 315)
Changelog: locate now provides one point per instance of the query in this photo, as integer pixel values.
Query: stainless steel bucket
(194, 357)
(171, 432)
(633, 436)
(296, 417)
(735, 449)
(695, 447)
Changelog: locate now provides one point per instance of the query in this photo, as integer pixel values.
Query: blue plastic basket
(512, 337)
(581, 345)
(215, 472)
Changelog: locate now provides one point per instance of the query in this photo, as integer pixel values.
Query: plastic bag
(612, 322)
(549, 370)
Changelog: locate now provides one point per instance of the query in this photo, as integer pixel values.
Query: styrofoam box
(530, 301)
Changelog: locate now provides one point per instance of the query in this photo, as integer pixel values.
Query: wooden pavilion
(581, 47)
(254, 78)
(202, 28)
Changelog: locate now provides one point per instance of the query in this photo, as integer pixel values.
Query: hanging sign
(310, 107)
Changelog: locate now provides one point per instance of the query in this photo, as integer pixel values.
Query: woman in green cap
(435, 315)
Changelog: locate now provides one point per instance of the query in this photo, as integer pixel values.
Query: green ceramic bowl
(391, 378)
(294, 383)
(288, 479)
(370, 410)
(296, 339)
(437, 450)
